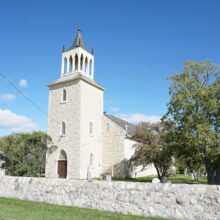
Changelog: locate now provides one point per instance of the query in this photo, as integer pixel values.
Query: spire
(78, 42)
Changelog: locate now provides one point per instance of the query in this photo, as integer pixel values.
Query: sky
(137, 45)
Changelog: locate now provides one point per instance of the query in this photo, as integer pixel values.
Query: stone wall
(57, 112)
(83, 105)
(113, 137)
(161, 200)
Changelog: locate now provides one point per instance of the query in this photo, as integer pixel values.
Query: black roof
(78, 42)
(123, 124)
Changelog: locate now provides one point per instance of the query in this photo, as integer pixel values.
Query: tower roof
(78, 42)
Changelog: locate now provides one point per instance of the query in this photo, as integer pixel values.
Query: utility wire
(20, 92)
(37, 106)
(32, 102)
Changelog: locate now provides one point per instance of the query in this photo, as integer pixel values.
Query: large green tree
(24, 154)
(152, 149)
(193, 116)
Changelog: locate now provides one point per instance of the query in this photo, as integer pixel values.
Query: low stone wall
(159, 200)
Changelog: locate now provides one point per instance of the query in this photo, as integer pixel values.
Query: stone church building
(86, 137)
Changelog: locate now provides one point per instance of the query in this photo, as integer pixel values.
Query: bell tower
(75, 112)
(77, 59)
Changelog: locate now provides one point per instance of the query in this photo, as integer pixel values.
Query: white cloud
(16, 123)
(7, 97)
(138, 117)
(23, 83)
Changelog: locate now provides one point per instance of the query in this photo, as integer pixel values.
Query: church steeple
(77, 59)
(78, 42)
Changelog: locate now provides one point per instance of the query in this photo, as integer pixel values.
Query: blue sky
(138, 44)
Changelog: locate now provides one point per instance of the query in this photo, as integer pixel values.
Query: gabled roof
(78, 42)
(123, 124)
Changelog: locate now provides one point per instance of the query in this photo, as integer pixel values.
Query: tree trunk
(217, 179)
(158, 172)
(211, 175)
(195, 175)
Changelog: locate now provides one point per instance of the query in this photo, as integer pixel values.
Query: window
(70, 64)
(65, 65)
(81, 62)
(76, 62)
(108, 127)
(91, 159)
(64, 95)
(86, 64)
(90, 128)
(90, 67)
(63, 129)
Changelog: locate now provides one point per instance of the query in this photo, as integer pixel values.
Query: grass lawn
(176, 179)
(14, 209)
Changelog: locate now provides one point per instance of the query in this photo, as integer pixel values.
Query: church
(86, 138)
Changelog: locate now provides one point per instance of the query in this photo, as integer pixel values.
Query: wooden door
(62, 168)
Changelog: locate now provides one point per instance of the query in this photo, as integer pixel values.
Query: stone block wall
(190, 202)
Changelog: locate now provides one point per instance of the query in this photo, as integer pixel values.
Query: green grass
(14, 209)
(175, 179)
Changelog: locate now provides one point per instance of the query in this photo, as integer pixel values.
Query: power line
(21, 93)
(29, 100)
(37, 106)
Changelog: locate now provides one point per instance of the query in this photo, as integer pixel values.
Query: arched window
(90, 67)
(81, 62)
(64, 95)
(86, 64)
(65, 65)
(63, 155)
(70, 64)
(91, 159)
(76, 62)
(91, 128)
(63, 128)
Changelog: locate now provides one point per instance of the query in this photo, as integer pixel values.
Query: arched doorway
(62, 165)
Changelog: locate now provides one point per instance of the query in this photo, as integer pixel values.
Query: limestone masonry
(87, 139)
(180, 201)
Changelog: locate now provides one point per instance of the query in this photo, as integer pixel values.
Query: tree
(193, 117)
(151, 148)
(24, 154)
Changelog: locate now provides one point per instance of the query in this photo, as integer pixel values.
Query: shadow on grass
(175, 179)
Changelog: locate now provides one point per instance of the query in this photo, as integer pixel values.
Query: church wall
(69, 112)
(137, 171)
(90, 143)
(112, 148)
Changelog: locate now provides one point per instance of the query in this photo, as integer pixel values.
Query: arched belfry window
(76, 62)
(86, 64)
(63, 128)
(70, 64)
(81, 62)
(65, 65)
(91, 128)
(64, 95)
(90, 67)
